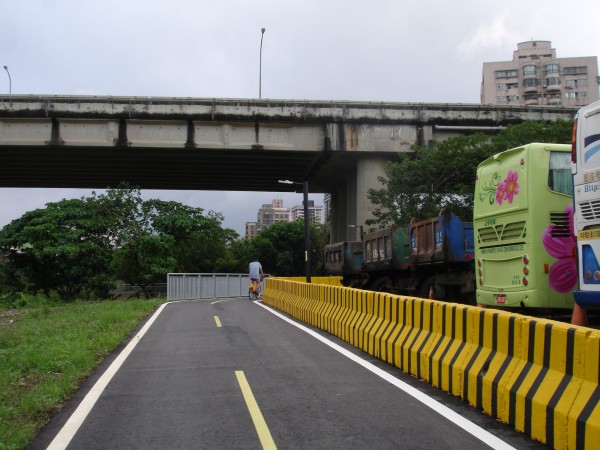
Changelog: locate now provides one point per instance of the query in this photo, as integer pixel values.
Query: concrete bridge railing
(540, 376)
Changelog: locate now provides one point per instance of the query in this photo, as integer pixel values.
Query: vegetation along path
(47, 349)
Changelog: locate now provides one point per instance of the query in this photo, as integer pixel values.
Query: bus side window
(560, 178)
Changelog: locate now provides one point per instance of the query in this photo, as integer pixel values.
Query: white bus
(585, 155)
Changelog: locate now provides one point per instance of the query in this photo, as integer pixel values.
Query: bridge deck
(221, 144)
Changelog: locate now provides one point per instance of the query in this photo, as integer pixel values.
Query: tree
(199, 239)
(319, 233)
(280, 248)
(236, 258)
(144, 262)
(558, 132)
(121, 208)
(81, 247)
(165, 236)
(428, 179)
(442, 174)
(64, 247)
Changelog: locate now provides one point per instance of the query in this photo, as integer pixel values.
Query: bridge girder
(229, 144)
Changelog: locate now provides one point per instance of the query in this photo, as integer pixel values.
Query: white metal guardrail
(185, 286)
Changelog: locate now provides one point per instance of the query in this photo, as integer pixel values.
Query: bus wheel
(382, 284)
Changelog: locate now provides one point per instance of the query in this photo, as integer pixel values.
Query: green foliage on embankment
(47, 349)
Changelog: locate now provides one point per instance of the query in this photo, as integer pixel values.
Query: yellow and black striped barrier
(540, 376)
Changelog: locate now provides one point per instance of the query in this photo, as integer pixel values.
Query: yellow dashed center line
(259, 422)
(218, 322)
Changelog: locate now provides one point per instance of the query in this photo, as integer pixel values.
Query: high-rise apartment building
(326, 205)
(267, 215)
(273, 212)
(535, 76)
(251, 230)
(270, 213)
(314, 212)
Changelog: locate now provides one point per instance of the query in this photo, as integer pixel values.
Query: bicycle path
(232, 373)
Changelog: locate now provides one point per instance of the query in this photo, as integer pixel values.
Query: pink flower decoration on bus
(562, 246)
(507, 189)
(512, 187)
(501, 192)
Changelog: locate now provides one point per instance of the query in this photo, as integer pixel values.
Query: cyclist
(256, 273)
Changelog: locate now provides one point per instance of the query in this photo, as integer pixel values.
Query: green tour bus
(523, 220)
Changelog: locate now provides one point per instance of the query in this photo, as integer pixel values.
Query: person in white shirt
(256, 272)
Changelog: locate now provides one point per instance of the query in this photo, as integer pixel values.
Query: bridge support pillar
(349, 202)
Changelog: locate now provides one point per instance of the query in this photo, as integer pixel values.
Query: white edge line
(471, 428)
(69, 429)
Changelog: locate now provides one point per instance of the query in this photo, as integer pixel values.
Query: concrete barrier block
(375, 320)
(426, 340)
(454, 354)
(502, 364)
(539, 376)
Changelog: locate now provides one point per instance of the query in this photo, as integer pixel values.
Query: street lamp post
(360, 230)
(306, 227)
(262, 33)
(9, 81)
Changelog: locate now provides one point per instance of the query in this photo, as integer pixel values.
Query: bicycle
(254, 290)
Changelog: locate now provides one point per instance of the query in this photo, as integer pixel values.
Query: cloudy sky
(380, 50)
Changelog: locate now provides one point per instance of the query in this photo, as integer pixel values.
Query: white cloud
(494, 34)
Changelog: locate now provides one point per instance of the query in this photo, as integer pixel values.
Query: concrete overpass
(229, 144)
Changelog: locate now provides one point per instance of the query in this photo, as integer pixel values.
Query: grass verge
(47, 349)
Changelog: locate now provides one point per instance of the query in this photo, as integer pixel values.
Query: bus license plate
(501, 298)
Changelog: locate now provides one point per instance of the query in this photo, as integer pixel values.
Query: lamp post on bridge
(262, 33)
(9, 81)
(306, 227)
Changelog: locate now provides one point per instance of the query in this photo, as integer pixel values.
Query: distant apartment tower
(315, 213)
(327, 205)
(271, 213)
(267, 215)
(535, 76)
(251, 230)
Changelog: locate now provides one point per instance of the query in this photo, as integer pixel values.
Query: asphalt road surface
(235, 374)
